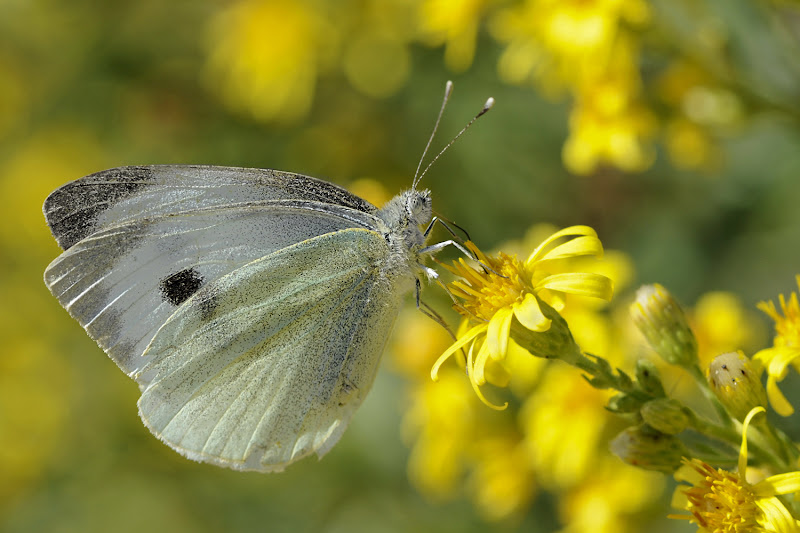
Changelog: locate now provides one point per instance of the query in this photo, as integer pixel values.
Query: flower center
(721, 501)
(482, 292)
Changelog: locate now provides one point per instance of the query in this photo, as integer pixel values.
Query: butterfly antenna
(486, 107)
(448, 90)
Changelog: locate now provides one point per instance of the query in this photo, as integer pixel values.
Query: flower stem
(702, 382)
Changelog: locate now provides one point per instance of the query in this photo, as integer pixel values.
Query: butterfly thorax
(403, 216)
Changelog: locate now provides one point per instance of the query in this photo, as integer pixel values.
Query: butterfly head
(417, 206)
(404, 214)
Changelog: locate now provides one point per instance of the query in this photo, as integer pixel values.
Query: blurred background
(670, 126)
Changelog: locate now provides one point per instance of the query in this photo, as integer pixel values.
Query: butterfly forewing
(119, 195)
(147, 253)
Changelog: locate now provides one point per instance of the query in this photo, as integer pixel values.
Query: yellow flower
(502, 483)
(722, 324)
(587, 49)
(563, 43)
(265, 56)
(564, 421)
(610, 499)
(454, 23)
(441, 423)
(510, 295)
(725, 502)
(785, 350)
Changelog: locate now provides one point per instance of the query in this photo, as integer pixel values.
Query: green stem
(732, 437)
(615, 380)
(702, 382)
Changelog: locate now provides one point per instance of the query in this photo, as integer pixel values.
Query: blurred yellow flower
(502, 482)
(608, 123)
(587, 49)
(608, 500)
(507, 292)
(722, 324)
(563, 44)
(699, 107)
(688, 144)
(564, 421)
(785, 350)
(441, 423)
(455, 24)
(726, 502)
(265, 56)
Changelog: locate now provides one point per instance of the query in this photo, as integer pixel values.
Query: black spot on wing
(178, 287)
(71, 211)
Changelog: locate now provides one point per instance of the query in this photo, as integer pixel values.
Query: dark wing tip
(71, 211)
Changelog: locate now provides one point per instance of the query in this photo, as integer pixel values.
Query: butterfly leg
(450, 230)
(430, 312)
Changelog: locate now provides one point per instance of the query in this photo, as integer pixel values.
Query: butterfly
(251, 306)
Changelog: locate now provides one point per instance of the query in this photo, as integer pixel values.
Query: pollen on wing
(483, 291)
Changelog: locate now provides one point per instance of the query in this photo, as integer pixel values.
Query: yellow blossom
(265, 56)
(441, 422)
(585, 48)
(785, 350)
(563, 44)
(524, 297)
(501, 482)
(564, 423)
(721, 324)
(608, 500)
(725, 502)
(454, 23)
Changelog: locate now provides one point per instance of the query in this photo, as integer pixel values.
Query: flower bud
(624, 403)
(648, 377)
(663, 323)
(665, 415)
(554, 343)
(734, 380)
(649, 449)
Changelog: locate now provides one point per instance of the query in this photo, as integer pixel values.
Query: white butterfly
(251, 306)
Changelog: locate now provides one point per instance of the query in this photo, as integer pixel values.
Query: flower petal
(777, 516)
(478, 366)
(778, 484)
(497, 334)
(776, 398)
(580, 283)
(743, 450)
(781, 360)
(575, 247)
(477, 388)
(541, 250)
(460, 343)
(530, 314)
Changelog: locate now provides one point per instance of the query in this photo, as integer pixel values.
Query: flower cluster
(503, 460)
(265, 59)
(513, 316)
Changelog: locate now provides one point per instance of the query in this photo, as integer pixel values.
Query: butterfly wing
(267, 364)
(140, 240)
(125, 194)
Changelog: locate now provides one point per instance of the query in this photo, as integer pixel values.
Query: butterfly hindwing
(267, 364)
